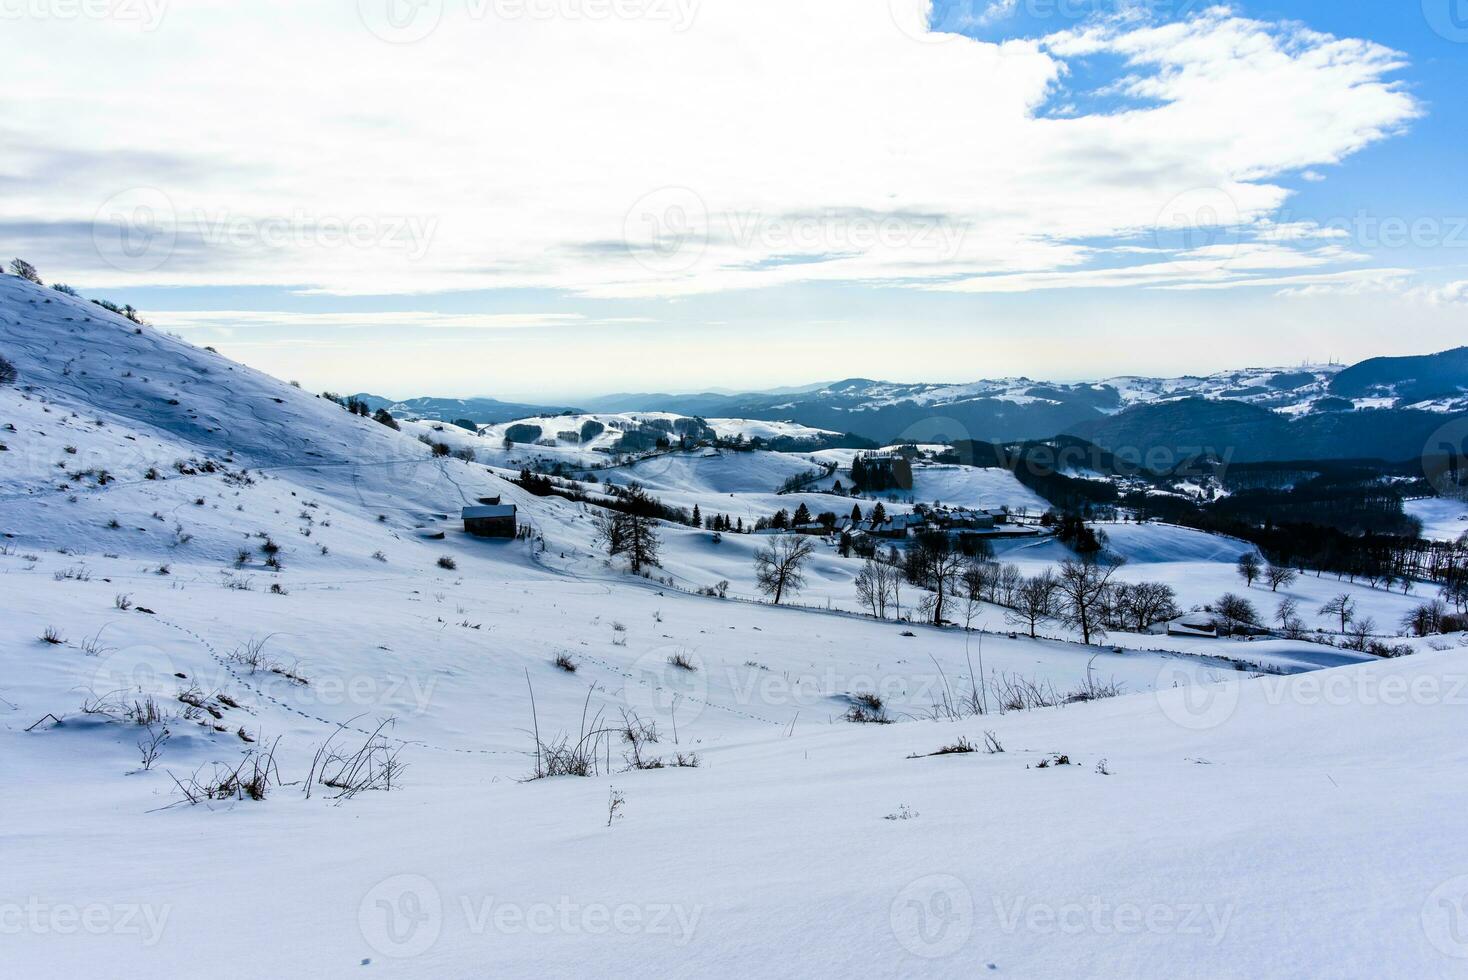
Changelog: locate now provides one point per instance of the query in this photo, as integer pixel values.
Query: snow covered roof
(489, 511)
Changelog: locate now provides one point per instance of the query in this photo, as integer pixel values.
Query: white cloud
(735, 144)
(1452, 294)
(246, 319)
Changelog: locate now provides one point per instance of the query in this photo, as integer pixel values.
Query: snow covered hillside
(267, 709)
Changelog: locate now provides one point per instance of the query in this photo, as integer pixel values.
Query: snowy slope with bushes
(208, 575)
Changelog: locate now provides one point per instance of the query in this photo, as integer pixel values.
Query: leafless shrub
(448, 564)
(564, 755)
(52, 636)
(961, 747)
(92, 646)
(637, 735)
(992, 745)
(564, 662)
(615, 802)
(682, 662)
(375, 765)
(195, 698)
(237, 583)
(1016, 693)
(122, 601)
(291, 673)
(1094, 688)
(151, 747)
(119, 707)
(251, 655)
(859, 715)
(867, 709)
(252, 779)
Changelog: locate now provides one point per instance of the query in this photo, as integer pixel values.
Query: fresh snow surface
(1214, 821)
(1443, 518)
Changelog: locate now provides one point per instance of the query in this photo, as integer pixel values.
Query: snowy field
(166, 512)
(1443, 519)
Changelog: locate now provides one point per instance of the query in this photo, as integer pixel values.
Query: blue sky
(764, 194)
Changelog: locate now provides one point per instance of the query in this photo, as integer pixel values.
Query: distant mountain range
(484, 411)
(1383, 407)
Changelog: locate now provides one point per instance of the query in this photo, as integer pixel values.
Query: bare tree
(981, 579)
(1456, 591)
(1360, 634)
(875, 586)
(1277, 575)
(1288, 617)
(1145, 603)
(1234, 612)
(1250, 567)
(1426, 619)
(1080, 587)
(1008, 584)
(1033, 601)
(1343, 607)
(945, 573)
(22, 268)
(780, 567)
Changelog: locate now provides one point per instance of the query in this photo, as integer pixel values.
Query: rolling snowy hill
(209, 565)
